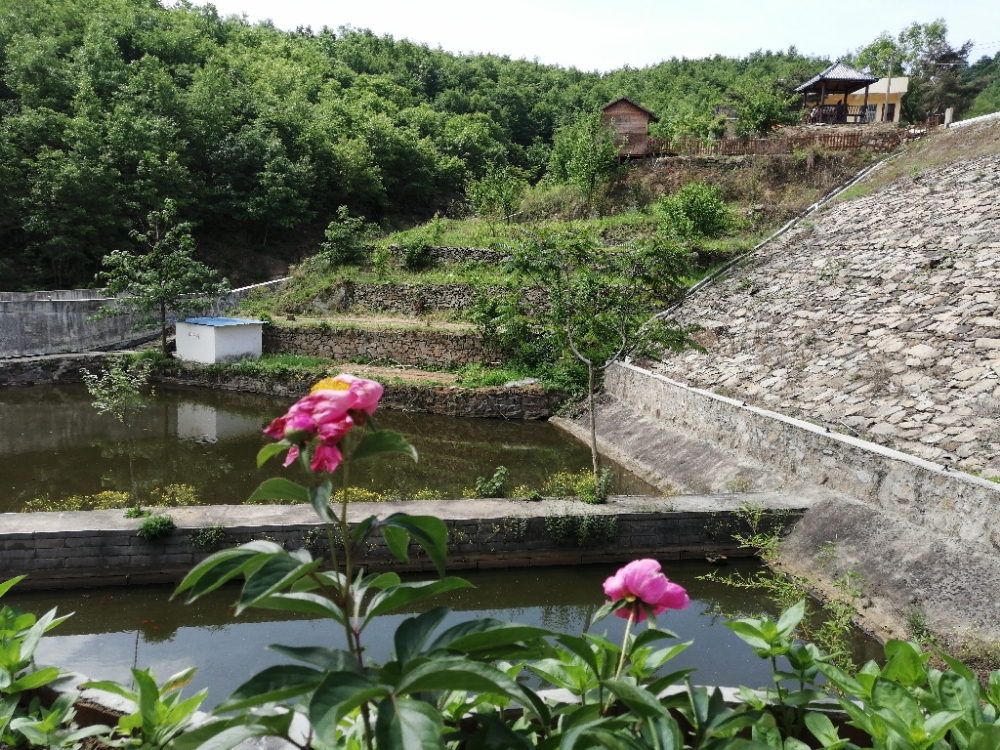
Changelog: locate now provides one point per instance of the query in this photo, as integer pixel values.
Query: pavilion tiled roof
(840, 73)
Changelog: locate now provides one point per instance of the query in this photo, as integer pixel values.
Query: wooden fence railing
(880, 141)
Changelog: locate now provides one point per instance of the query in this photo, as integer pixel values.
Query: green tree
(761, 105)
(584, 154)
(937, 70)
(498, 194)
(601, 302)
(165, 276)
(347, 238)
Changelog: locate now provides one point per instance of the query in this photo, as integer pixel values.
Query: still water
(116, 628)
(54, 445)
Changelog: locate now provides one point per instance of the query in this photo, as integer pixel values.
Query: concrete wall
(928, 495)
(97, 548)
(58, 322)
(408, 346)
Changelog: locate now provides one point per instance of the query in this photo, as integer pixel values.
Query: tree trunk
(163, 327)
(593, 425)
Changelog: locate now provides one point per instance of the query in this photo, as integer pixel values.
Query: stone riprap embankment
(99, 548)
(406, 299)
(881, 320)
(407, 346)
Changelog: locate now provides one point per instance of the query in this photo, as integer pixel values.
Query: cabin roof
(652, 116)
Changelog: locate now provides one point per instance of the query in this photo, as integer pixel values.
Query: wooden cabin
(630, 122)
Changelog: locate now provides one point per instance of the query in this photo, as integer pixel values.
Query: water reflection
(115, 629)
(54, 444)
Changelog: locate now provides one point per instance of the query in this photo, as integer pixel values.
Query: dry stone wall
(407, 346)
(880, 320)
(406, 299)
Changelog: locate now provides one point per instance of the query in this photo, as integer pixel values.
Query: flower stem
(621, 661)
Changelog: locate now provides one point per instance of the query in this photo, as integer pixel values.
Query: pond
(54, 445)
(117, 628)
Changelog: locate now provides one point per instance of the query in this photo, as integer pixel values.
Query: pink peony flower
(332, 408)
(326, 458)
(642, 581)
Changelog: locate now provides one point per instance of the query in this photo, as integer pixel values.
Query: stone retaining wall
(50, 370)
(407, 346)
(101, 548)
(529, 402)
(926, 495)
(57, 322)
(406, 299)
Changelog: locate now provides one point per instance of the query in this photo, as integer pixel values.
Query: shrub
(495, 486)
(696, 210)
(346, 239)
(156, 527)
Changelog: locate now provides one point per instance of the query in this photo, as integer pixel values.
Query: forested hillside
(109, 108)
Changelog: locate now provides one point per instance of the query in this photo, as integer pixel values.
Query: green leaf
(413, 632)
(329, 659)
(904, 664)
(985, 737)
(749, 634)
(230, 563)
(641, 701)
(791, 618)
(338, 695)
(486, 634)
(306, 603)
(428, 531)
(33, 680)
(383, 441)
(408, 725)
(580, 647)
(279, 488)
(273, 684)
(651, 635)
(270, 450)
(9, 584)
(319, 498)
(276, 573)
(407, 593)
(606, 609)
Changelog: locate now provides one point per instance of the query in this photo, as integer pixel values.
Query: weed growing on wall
(209, 537)
(155, 528)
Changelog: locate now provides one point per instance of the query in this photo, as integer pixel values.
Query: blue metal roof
(220, 322)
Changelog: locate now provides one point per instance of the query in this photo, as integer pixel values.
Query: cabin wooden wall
(631, 128)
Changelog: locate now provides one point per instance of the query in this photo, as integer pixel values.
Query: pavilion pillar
(864, 107)
(822, 100)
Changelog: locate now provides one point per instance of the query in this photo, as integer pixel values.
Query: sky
(608, 34)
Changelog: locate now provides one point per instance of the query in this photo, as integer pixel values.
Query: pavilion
(838, 80)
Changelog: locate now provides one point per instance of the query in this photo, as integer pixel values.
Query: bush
(156, 527)
(346, 239)
(495, 486)
(696, 210)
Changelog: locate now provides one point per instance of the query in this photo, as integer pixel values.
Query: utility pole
(888, 85)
